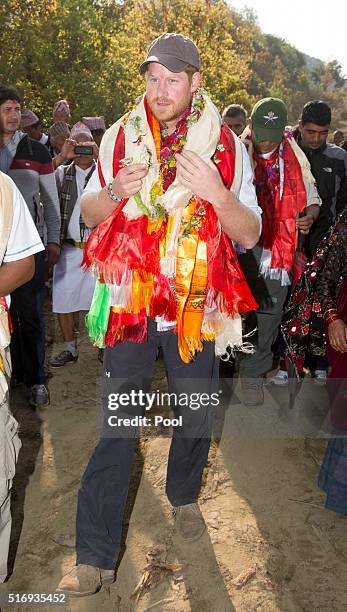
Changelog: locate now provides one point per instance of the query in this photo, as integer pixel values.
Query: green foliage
(88, 51)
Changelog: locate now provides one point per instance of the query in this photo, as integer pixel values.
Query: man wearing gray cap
(172, 191)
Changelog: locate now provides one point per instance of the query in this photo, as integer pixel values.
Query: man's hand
(129, 180)
(311, 214)
(68, 149)
(239, 222)
(203, 180)
(337, 332)
(305, 223)
(67, 152)
(52, 253)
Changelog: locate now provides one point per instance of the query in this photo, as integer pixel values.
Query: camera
(83, 150)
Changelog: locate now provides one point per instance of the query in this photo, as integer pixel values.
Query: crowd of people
(178, 230)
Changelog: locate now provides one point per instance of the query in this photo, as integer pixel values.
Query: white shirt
(24, 239)
(44, 139)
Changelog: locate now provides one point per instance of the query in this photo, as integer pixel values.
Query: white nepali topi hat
(81, 128)
(95, 123)
(61, 105)
(28, 118)
(59, 128)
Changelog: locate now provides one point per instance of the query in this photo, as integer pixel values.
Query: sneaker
(280, 379)
(84, 580)
(252, 391)
(189, 522)
(38, 396)
(320, 377)
(62, 359)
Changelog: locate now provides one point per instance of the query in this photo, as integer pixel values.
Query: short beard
(4, 130)
(176, 114)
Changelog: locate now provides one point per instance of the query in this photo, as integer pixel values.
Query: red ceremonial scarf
(280, 211)
(119, 245)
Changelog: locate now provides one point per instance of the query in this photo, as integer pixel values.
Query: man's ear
(196, 80)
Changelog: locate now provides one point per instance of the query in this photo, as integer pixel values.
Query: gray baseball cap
(173, 51)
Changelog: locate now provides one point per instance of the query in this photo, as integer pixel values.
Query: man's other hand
(305, 223)
(337, 332)
(68, 149)
(198, 176)
(52, 253)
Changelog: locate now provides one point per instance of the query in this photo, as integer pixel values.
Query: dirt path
(264, 513)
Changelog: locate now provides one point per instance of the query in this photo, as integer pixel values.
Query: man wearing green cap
(290, 203)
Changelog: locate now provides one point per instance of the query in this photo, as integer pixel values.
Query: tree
(333, 77)
(88, 51)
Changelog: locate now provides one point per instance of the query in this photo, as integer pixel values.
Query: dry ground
(270, 544)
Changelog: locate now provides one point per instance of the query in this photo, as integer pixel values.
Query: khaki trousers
(9, 449)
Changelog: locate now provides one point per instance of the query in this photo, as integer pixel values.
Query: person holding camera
(72, 287)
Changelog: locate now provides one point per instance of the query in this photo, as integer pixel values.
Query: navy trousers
(28, 337)
(104, 487)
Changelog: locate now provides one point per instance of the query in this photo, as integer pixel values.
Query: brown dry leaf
(155, 571)
(170, 567)
(175, 586)
(245, 576)
(140, 586)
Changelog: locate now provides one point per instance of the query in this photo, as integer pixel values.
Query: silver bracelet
(112, 194)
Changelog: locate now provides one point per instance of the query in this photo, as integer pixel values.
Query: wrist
(312, 211)
(223, 197)
(331, 321)
(112, 194)
(59, 159)
(330, 316)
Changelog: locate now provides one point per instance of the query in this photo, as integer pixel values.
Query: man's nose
(162, 89)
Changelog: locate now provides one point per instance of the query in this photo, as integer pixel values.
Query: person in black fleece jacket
(328, 166)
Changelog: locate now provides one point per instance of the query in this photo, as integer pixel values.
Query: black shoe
(39, 396)
(62, 359)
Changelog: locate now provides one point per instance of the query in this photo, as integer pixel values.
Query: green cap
(269, 118)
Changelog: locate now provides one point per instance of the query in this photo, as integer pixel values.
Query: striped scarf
(68, 198)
